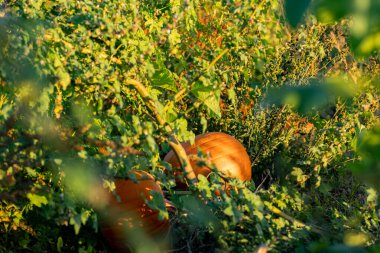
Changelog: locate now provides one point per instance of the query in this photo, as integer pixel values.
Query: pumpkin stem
(172, 140)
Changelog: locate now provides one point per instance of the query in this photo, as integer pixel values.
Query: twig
(217, 58)
(261, 184)
(296, 222)
(180, 192)
(178, 249)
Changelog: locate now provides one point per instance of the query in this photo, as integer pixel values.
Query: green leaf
(76, 222)
(232, 211)
(3, 174)
(204, 124)
(83, 154)
(232, 95)
(64, 78)
(372, 195)
(297, 172)
(151, 143)
(171, 114)
(204, 185)
(229, 211)
(37, 200)
(84, 217)
(158, 203)
(180, 129)
(59, 244)
(164, 79)
(31, 172)
(174, 37)
(209, 96)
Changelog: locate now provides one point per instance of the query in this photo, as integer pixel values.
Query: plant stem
(172, 140)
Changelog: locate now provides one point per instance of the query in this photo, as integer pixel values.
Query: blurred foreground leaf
(330, 11)
(309, 97)
(368, 167)
(295, 10)
(82, 180)
(198, 213)
(365, 26)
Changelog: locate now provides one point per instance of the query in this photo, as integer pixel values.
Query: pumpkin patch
(94, 94)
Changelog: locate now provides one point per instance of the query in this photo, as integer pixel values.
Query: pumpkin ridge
(206, 147)
(204, 138)
(224, 154)
(199, 145)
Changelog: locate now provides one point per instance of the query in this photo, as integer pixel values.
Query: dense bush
(298, 98)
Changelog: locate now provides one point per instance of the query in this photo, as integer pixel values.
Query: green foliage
(299, 100)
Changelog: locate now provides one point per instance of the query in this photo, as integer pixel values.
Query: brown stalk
(172, 140)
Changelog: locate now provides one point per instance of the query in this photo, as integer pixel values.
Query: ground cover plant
(95, 90)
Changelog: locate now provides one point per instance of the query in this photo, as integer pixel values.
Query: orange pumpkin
(226, 153)
(131, 219)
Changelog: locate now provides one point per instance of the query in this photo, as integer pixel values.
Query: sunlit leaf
(209, 96)
(37, 200)
(163, 78)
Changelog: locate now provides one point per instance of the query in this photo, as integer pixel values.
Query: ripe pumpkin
(226, 153)
(123, 220)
